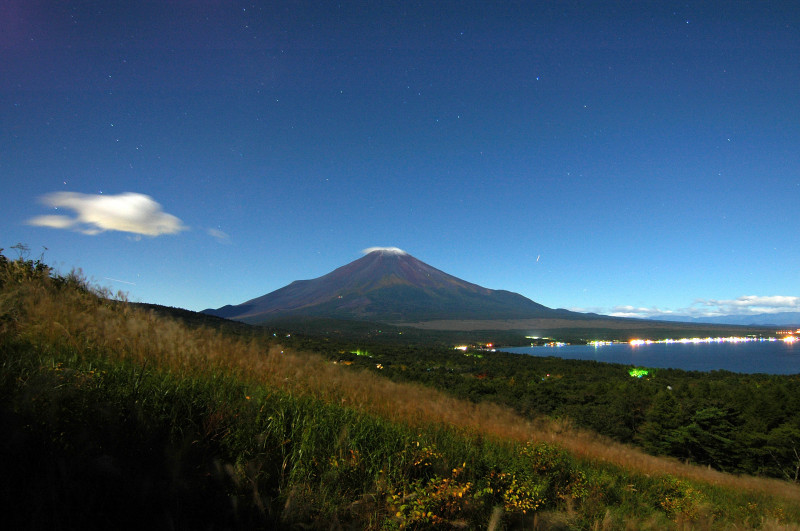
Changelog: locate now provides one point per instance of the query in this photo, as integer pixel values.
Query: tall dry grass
(87, 321)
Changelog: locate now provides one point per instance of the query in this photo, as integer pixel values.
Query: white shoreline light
(695, 340)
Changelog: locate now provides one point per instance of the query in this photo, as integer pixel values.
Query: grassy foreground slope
(736, 423)
(114, 417)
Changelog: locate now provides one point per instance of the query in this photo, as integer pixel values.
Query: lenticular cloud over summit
(388, 250)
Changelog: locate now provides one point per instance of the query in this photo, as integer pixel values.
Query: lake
(770, 357)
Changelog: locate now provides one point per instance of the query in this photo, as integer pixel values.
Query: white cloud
(744, 305)
(637, 311)
(390, 250)
(127, 212)
(221, 236)
(752, 304)
(55, 222)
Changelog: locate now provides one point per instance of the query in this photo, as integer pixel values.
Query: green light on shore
(638, 373)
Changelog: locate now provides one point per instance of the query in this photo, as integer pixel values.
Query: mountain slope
(388, 284)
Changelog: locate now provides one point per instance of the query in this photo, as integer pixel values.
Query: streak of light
(118, 280)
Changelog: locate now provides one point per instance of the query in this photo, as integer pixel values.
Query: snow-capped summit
(386, 250)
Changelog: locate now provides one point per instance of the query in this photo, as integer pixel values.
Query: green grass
(113, 417)
(95, 441)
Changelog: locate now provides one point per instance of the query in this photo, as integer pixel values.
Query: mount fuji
(389, 285)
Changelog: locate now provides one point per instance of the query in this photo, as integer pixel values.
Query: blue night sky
(631, 158)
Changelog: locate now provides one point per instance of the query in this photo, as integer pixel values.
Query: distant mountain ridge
(761, 319)
(389, 285)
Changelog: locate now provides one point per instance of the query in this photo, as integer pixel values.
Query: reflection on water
(745, 356)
